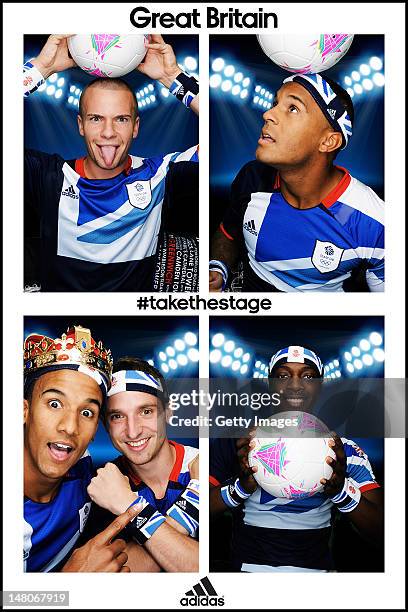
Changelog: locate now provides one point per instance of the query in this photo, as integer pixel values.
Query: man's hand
(215, 281)
(246, 472)
(110, 489)
(193, 467)
(334, 485)
(101, 554)
(54, 56)
(160, 62)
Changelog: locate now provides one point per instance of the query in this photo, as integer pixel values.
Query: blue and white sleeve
(32, 79)
(359, 467)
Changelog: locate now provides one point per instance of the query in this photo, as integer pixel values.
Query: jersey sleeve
(369, 232)
(375, 264)
(359, 467)
(223, 460)
(32, 79)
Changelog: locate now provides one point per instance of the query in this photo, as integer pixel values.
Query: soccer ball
(305, 53)
(291, 467)
(108, 55)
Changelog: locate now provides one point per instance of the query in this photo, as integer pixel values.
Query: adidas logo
(70, 192)
(202, 594)
(182, 504)
(140, 521)
(249, 226)
(332, 112)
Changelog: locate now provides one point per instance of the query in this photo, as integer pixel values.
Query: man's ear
(80, 125)
(330, 142)
(168, 412)
(26, 408)
(136, 127)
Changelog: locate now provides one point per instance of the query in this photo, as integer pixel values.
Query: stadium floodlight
(53, 78)
(190, 63)
(365, 345)
(376, 63)
(218, 64)
(164, 368)
(336, 363)
(376, 339)
(172, 364)
(235, 90)
(226, 85)
(246, 82)
(243, 94)
(170, 351)
(350, 92)
(235, 365)
(350, 367)
(226, 361)
(70, 99)
(355, 75)
(364, 70)
(358, 89)
(153, 98)
(338, 374)
(368, 84)
(367, 359)
(58, 93)
(162, 356)
(348, 81)
(182, 359)
(193, 355)
(72, 89)
(218, 340)
(255, 100)
(229, 70)
(164, 92)
(379, 354)
(147, 100)
(355, 351)
(379, 79)
(358, 364)
(238, 352)
(151, 362)
(150, 87)
(256, 374)
(50, 90)
(190, 338)
(215, 80)
(77, 91)
(238, 76)
(179, 345)
(229, 346)
(146, 89)
(215, 356)
(244, 369)
(60, 82)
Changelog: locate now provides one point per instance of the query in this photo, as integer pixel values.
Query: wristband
(143, 526)
(185, 511)
(194, 485)
(32, 79)
(349, 497)
(233, 494)
(184, 88)
(222, 268)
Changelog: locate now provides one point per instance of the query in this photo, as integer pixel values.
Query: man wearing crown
(66, 381)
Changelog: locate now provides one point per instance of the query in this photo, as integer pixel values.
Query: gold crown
(76, 347)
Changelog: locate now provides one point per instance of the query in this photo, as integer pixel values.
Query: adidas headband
(296, 354)
(328, 102)
(136, 380)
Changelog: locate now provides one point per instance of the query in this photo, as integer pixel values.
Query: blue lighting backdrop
(145, 337)
(242, 85)
(50, 115)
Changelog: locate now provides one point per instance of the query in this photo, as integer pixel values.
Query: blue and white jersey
(52, 529)
(178, 481)
(315, 249)
(98, 234)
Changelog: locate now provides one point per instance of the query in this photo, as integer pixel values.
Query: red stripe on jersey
(213, 481)
(369, 486)
(340, 188)
(80, 166)
(175, 472)
(224, 231)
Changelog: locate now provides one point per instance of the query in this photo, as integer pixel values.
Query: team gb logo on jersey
(326, 256)
(140, 194)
